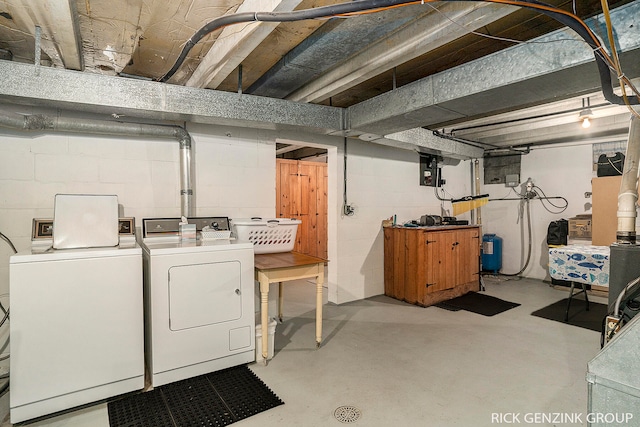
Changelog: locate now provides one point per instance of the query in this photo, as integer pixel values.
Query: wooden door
(287, 188)
(468, 254)
(415, 267)
(301, 193)
(441, 256)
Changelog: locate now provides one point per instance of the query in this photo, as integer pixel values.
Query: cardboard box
(580, 227)
(605, 205)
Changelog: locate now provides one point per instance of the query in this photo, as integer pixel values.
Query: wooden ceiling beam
(236, 42)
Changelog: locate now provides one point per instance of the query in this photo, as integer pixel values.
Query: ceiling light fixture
(586, 114)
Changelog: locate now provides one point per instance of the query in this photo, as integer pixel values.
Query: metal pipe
(476, 165)
(628, 195)
(41, 122)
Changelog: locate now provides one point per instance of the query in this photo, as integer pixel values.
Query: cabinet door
(394, 263)
(441, 260)
(467, 255)
(415, 276)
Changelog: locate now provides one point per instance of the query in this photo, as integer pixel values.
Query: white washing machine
(76, 326)
(199, 302)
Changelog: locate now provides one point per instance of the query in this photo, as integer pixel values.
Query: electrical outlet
(349, 210)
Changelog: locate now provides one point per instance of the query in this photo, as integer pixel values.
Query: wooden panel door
(389, 266)
(441, 256)
(322, 210)
(468, 254)
(287, 188)
(301, 193)
(305, 240)
(415, 274)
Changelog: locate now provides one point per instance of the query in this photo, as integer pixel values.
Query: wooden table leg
(280, 300)
(264, 314)
(319, 283)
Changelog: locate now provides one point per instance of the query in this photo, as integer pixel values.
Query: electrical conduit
(40, 122)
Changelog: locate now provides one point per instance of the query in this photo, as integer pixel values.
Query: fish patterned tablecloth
(582, 264)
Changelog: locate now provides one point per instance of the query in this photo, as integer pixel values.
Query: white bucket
(270, 344)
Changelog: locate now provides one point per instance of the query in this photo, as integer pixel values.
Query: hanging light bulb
(586, 114)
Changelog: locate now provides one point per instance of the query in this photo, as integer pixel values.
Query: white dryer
(199, 302)
(76, 327)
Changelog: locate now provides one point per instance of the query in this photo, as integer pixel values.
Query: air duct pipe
(628, 196)
(40, 122)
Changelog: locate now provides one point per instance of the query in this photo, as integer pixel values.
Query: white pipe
(41, 122)
(628, 195)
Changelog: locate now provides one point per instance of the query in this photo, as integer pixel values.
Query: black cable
(526, 264)
(297, 15)
(9, 242)
(586, 35)
(347, 209)
(435, 190)
(522, 119)
(544, 197)
(476, 144)
(571, 21)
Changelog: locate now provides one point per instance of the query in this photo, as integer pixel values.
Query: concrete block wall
(143, 173)
(563, 171)
(382, 182)
(234, 175)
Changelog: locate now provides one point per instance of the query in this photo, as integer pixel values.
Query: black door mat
(474, 302)
(578, 316)
(212, 400)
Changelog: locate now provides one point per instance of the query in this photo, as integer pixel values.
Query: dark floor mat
(446, 306)
(475, 302)
(216, 399)
(578, 316)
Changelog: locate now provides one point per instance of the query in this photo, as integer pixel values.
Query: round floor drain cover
(347, 414)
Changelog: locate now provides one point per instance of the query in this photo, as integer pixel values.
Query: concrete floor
(403, 365)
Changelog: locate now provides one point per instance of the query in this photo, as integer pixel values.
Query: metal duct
(41, 122)
(628, 195)
(613, 380)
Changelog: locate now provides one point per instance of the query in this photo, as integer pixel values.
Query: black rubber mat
(212, 400)
(447, 307)
(578, 316)
(483, 304)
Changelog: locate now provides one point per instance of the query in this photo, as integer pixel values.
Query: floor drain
(347, 414)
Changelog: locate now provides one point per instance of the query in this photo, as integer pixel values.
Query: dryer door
(204, 294)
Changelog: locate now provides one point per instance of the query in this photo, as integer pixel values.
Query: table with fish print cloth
(580, 263)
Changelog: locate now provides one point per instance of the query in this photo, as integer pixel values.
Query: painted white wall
(382, 182)
(234, 175)
(564, 171)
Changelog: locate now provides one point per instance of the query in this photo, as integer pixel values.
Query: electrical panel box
(512, 180)
(429, 171)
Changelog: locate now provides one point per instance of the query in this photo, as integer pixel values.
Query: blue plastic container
(491, 253)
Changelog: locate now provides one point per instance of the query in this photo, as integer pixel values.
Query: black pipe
(298, 15)
(603, 67)
(361, 5)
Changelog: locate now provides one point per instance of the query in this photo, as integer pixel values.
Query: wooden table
(281, 267)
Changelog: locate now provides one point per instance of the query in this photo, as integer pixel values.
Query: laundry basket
(267, 235)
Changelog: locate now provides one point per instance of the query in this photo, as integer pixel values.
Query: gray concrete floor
(403, 365)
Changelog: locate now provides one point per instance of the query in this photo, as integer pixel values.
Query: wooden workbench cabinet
(427, 265)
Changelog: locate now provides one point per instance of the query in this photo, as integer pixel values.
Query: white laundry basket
(267, 235)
